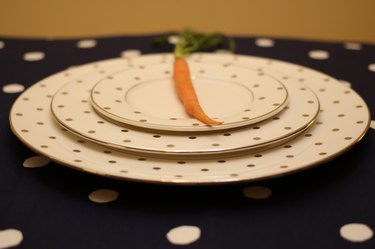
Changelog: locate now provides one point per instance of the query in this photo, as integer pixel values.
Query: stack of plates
(121, 118)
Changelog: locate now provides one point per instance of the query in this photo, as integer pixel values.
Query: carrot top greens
(189, 41)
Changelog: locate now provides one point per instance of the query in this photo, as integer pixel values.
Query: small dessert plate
(146, 97)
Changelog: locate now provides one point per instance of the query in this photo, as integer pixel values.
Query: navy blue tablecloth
(49, 206)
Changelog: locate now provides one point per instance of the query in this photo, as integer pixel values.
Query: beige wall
(345, 20)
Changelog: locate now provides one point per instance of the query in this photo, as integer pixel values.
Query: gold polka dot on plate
(183, 235)
(257, 192)
(34, 56)
(103, 195)
(36, 162)
(10, 238)
(356, 232)
(13, 88)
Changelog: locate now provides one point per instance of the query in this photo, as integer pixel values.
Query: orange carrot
(186, 43)
(186, 92)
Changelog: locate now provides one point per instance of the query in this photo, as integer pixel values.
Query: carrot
(188, 42)
(186, 92)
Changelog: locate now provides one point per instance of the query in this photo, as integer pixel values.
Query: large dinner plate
(343, 121)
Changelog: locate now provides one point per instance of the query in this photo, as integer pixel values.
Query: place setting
(121, 118)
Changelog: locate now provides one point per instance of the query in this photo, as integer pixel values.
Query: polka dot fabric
(49, 206)
(10, 238)
(103, 196)
(88, 43)
(183, 235)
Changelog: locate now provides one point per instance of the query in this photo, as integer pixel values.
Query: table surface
(49, 207)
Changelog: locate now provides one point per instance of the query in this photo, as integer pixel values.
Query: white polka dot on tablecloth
(173, 39)
(318, 54)
(10, 238)
(356, 232)
(13, 88)
(103, 195)
(372, 124)
(2, 44)
(257, 192)
(223, 51)
(345, 83)
(371, 67)
(353, 46)
(264, 42)
(130, 53)
(34, 56)
(36, 162)
(87, 43)
(183, 235)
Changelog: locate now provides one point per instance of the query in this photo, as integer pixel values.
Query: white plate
(72, 110)
(146, 97)
(343, 122)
